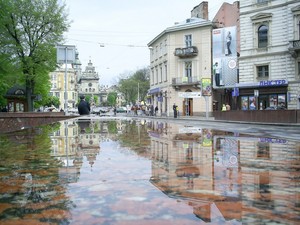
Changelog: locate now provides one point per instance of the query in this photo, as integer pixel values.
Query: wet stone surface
(146, 172)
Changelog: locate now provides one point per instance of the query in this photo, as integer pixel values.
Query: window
(188, 69)
(161, 74)
(152, 77)
(298, 28)
(156, 76)
(188, 40)
(262, 36)
(263, 71)
(262, 1)
(166, 72)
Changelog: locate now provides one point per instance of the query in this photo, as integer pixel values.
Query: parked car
(122, 110)
(99, 110)
(96, 110)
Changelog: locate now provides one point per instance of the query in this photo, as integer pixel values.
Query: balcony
(186, 52)
(185, 81)
(294, 48)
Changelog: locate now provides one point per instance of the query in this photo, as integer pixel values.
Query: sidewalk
(188, 118)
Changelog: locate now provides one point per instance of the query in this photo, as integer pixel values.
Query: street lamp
(66, 54)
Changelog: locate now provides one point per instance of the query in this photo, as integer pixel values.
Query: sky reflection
(146, 172)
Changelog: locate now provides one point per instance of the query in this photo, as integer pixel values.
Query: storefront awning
(154, 90)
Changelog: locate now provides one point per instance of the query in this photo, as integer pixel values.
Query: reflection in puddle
(146, 172)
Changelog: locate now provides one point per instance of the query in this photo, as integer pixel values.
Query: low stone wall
(264, 116)
(10, 122)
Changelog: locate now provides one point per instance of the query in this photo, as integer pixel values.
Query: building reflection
(225, 176)
(74, 142)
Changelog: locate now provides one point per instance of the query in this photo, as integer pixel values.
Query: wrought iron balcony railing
(180, 81)
(186, 52)
(294, 48)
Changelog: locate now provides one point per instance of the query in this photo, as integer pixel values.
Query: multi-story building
(226, 48)
(180, 58)
(269, 58)
(60, 86)
(89, 84)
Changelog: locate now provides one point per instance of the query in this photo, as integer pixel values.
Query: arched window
(263, 36)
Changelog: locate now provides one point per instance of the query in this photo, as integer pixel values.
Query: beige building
(58, 87)
(180, 58)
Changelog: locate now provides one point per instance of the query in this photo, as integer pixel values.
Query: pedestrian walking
(83, 106)
(156, 110)
(151, 110)
(175, 110)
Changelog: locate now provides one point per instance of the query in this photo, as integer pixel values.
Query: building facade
(60, 86)
(89, 84)
(180, 58)
(269, 57)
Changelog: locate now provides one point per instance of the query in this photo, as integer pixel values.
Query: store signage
(272, 82)
(263, 83)
(189, 130)
(189, 94)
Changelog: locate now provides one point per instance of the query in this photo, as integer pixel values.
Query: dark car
(121, 110)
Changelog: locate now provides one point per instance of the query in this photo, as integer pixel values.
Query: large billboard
(224, 57)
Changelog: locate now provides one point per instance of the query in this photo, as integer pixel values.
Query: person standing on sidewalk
(175, 110)
(156, 110)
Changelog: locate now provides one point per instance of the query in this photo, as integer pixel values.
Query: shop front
(263, 95)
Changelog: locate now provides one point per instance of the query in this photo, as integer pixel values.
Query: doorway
(187, 107)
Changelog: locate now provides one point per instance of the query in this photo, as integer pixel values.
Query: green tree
(112, 98)
(135, 86)
(52, 100)
(8, 76)
(29, 31)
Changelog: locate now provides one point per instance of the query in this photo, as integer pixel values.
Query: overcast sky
(114, 34)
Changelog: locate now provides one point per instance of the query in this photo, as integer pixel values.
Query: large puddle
(146, 172)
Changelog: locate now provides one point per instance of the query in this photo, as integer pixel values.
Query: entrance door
(187, 107)
(263, 102)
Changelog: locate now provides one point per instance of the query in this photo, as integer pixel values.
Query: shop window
(263, 150)
(262, 71)
(244, 103)
(262, 36)
(273, 100)
(282, 101)
(252, 103)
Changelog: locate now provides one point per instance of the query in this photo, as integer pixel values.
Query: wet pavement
(105, 170)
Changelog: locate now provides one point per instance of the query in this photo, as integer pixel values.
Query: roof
(189, 23)
(16, 90)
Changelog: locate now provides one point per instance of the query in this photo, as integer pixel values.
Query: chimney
(200, 11)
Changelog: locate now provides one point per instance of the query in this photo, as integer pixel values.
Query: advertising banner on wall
(224, 57)
(206, 86)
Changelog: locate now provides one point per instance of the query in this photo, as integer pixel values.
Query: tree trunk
(28, 96)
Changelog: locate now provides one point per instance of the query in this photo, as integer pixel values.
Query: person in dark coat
(83, 106)
(175, 110)
(156, 110)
